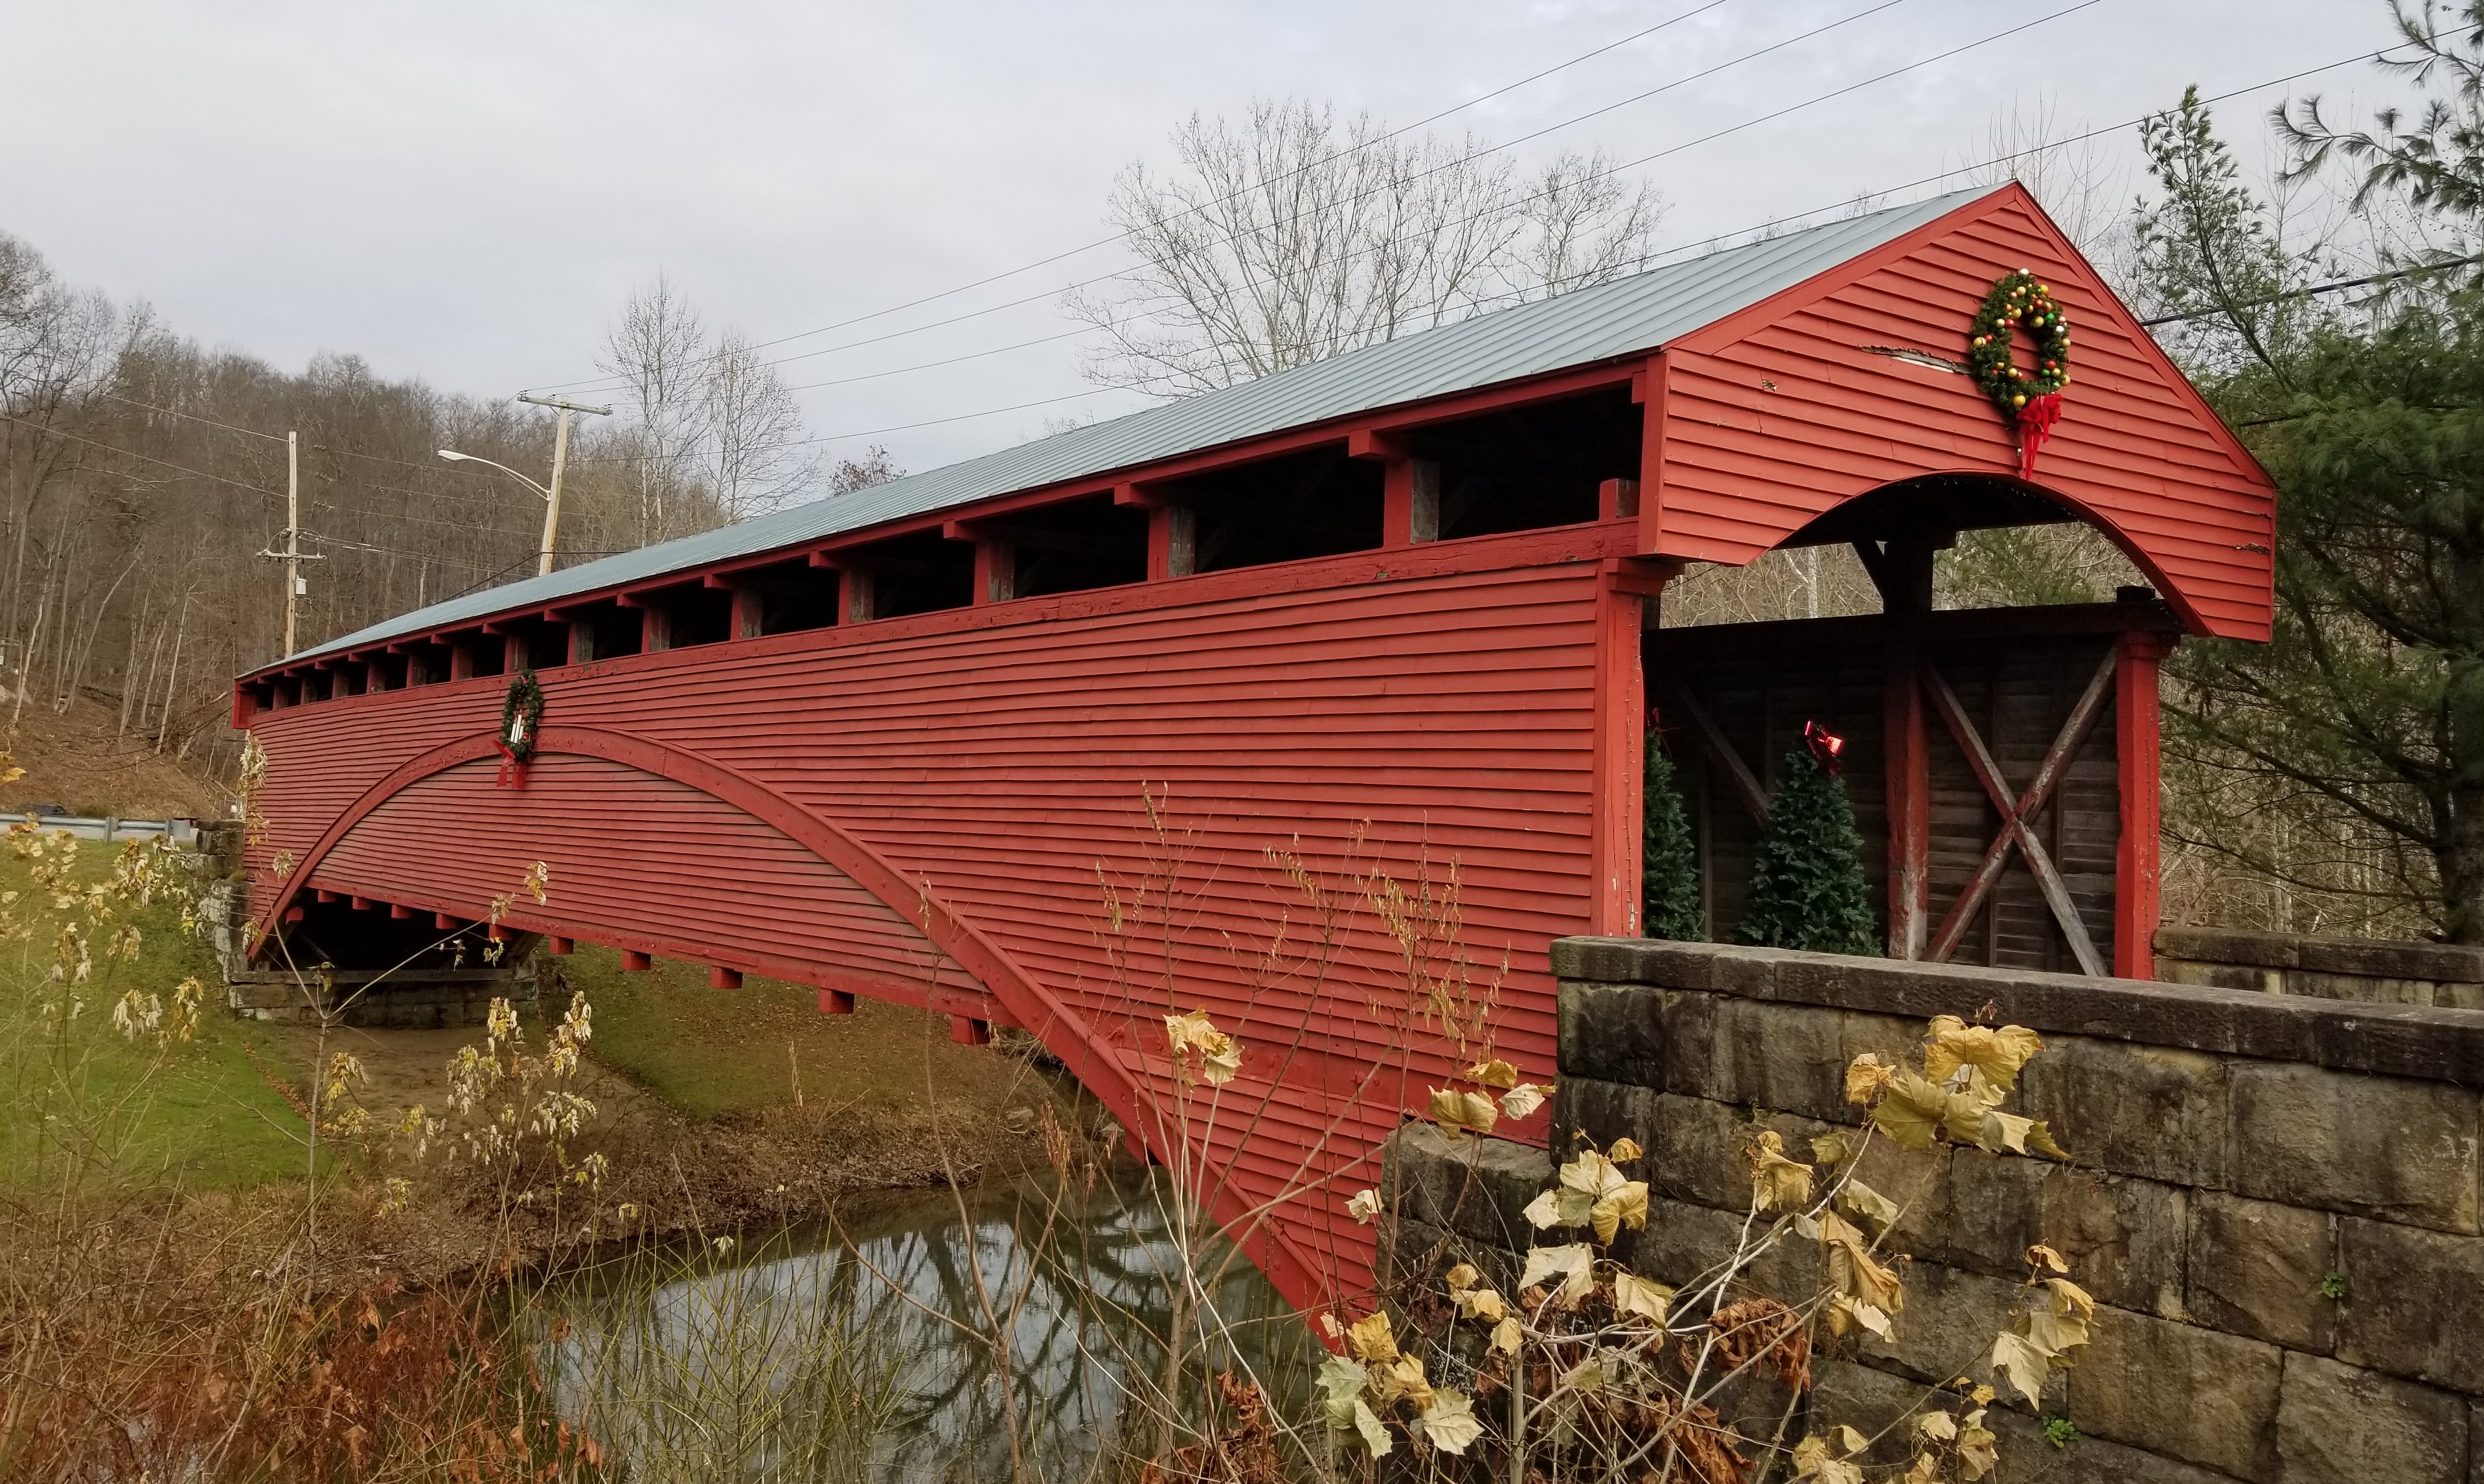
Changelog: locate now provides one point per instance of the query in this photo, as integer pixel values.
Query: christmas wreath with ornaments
(520, 719)
(2030, 400)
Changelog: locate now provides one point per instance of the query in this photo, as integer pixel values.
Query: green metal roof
(1632, 316)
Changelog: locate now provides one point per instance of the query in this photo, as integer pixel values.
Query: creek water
(861, 1349)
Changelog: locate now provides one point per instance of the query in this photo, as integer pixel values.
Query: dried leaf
(1559, 1207)
(1522, 1099)
(1850, 1442)
(1911, 1110)
(1624, 1150)
(1831, 1148)
(1592, 1174)
(1403, 1381)
(2024, 1362)
(1777, 1183)
(1506, 1335)
(1375, 1437)
(1218, 1055)
(2039, 1140)
(1634, 1295)
(1978, 1449)
(1814, 1460)
(1464, 1276)
(1340, 1381)
(1454, 1109)
(1876, 1211)
(1852, 1271)
(1574, 1264)
(1626, 1206)
(1495, 1074)
(2003, 1132)
(1865, 1076)
(1845, 1313)
(1449, 1422)
(1372, 1338)
(2044, 1259)
(1365, 1206)
(1485, 1303)
(1939, 1426)
(1996, 1052)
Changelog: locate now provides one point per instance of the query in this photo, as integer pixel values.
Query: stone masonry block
(1599, 1111)
(2414, 1303)
(1791, 1058)
(2385, 1146)
(1682, 1242)
(2148, 1110)
(2255, 1270)
(2190, 1393)
(1419, 1253)
(2123, 1236)
(1612, 1032)
(2341, 1424)
(1475, 1188)
(1870, 1400)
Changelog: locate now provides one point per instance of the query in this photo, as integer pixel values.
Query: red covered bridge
(1394, 606)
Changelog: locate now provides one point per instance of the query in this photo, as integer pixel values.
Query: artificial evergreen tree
(1668, 860)
(1807, 887)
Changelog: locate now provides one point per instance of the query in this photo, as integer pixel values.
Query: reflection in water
(863, 1352)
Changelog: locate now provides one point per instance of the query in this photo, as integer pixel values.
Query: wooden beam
(363, 904)
(1746, 788)
(636, 962)
(722, 978)
(1410, 502)
(1648, 391)
(1905, 753)
(836, 1001)
(558, 946)
(1616, 500)
(1618, 764)
(400, 911)
(2014, 814)
(582, 641)
(2136, 863)
(1172, 542)
(966, 1030)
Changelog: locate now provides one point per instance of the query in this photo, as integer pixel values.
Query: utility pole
(293, 556)
(559, 458)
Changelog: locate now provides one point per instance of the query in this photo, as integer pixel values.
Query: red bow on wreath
(1824, 744)
(2035, 422)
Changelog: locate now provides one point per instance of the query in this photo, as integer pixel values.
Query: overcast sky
(466, 193)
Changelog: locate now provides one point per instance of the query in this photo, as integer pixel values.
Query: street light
(559, 458)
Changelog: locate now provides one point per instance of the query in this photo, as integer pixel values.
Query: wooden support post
(2136, 740)
(1617, 499)
(1902, 571)
(558, 946)
(582, 641)
(1410, 502)
(293, 914)
(836, 1001)
(966, 1030)
(375, 676)
(1619, 773)
(494, 932)
(363, 904)
(513, 654)
(1172, 542)
(1648, 391)
(995, 572)
(635, 962)
(325, 897)
(721, 978)
(749, 613)
(461, 662)
(400, 911)
(654, 629)
(444, 922)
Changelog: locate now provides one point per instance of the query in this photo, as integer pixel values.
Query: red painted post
(654, 629)
(720, 978)
(857, 602)
(363, 904)
(325, 896)
(461, 662)
(1172, 542)
(1617, 499)
(836, 1001)
(2136, 858)
(558, 946)
(582, 641)
(1619, 768)
(995, 572)
(635, 962)
(748, 615)
(513, 654)
(293, 914)
(400, 911)
(968, 1032)
(444, 922)
(1907, 766)
(1648, 389)
(1410, 502)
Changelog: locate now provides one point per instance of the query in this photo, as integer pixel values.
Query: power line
(1104, 242)
(274, 438)
(2334, 285)
(141, 457)
(1465, 159)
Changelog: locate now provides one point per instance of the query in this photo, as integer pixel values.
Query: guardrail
(89, 827)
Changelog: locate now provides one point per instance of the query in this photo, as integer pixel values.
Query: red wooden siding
(996, 766)
(1776, 415)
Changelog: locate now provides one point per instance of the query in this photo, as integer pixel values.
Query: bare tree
(1296, 236)
(755, 458)
(658, 350)
(875, 466)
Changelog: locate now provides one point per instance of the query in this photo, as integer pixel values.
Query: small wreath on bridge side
(2032, 400)
(520, 718)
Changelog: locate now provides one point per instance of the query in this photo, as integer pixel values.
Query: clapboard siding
(1778, 414)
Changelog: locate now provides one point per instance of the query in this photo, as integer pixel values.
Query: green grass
(718, 1052)
(197, 1115)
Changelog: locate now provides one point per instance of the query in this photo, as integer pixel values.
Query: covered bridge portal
(1395, 612)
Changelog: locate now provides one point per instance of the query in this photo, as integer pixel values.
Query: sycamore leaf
(1983, 1396)
(1464, 1276)
(1592, 1174)
(2044, 1259)
(1506, 1335)
(1220, 1055)
(1365, 1206)
(2061, 1324)
(1522, 1099)
(1574, 1264)
(1375, 1437)
(1844, 1314)
(1831, 1148)
(2003, 1132)
(1495, 1074)
(1588, 1375)
(1483, 1303)
(1634, 1295)
(1865, 1076)
(1340, 1381)
(1939, 1426)
(1624, 1150)
(1911, 1109)
(1372, 1338)
(1626, 1206)
(1925, 1471)
(1866, 1205)
(1777, 1183)
(2039, 1140)
(1852, 1271)
(1449, 1422)
(1403, 1381)
(2020, 1359)
(1850, 1442)
(1978, 1451)
(1559, 1207)
(1455, 1110)
(1996, 1052)
(1813, 1459)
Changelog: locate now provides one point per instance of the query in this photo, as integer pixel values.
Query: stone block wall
(2274, 1198)
(2441, 974)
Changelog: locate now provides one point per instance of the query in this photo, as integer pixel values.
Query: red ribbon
(513, 768)
(2035, 422)
(1824, 744)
